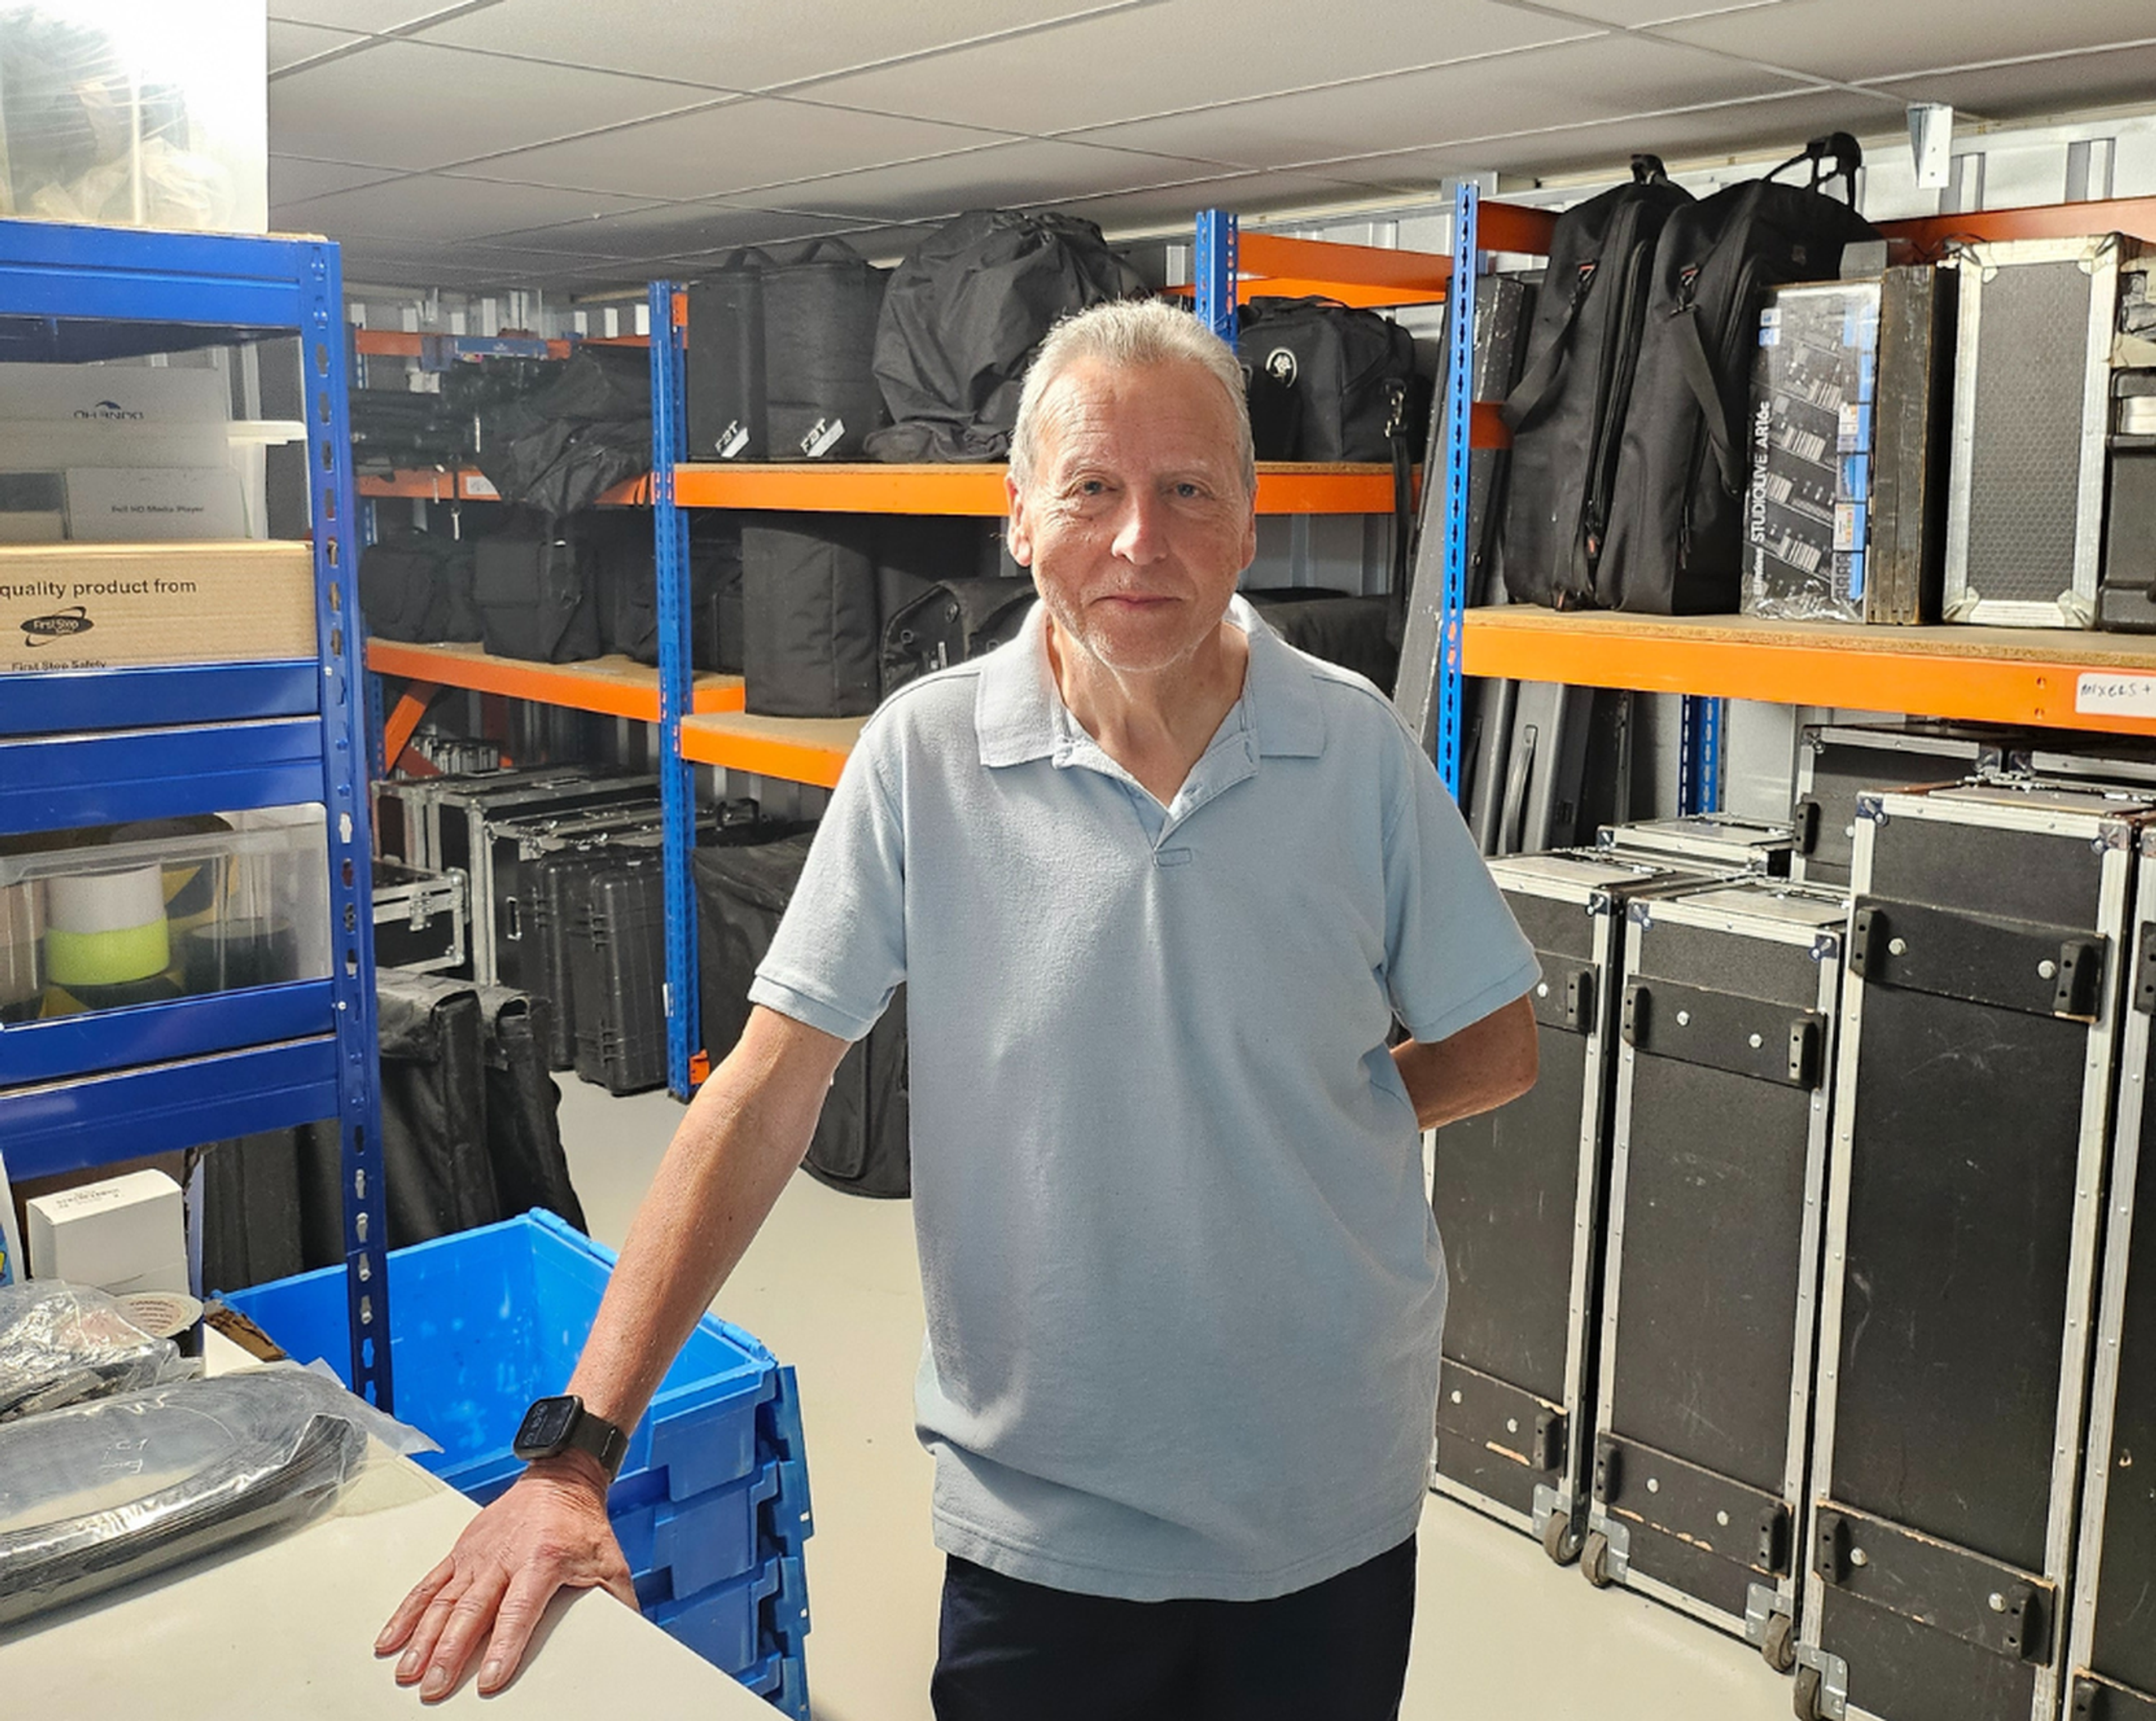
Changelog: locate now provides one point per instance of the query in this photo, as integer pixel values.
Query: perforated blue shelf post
(677, 804)
(101, 746)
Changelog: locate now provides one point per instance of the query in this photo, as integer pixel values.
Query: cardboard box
(123, 1234)
(137, 504)
(99, 606)
(114, 394)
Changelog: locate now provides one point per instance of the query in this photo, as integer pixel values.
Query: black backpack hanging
(1567, 412)
(962, 317)
(1676, 520)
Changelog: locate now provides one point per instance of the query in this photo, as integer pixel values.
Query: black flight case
(2111, 1653)
(1709, 1300)
(1987, 951)
(1837, 761)
(1518, 1195)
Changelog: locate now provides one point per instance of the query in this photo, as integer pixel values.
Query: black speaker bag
(862, 1143)
(1352, 374)
(1676, 517)
(416, 586)
(952, 621)
(537, 600)
(722, 372)
(1353, 632)
(523, 1132)
(1566, 415)
(962, 318)
(820, 328)
(811, 635)
(626, 568)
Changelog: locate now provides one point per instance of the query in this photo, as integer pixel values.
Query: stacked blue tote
(711, 1505)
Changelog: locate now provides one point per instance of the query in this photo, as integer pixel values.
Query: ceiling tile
(404, 105)
(378, 16)
(1173, 206)
(432, 206)
(746, 46)
(1633, 14)
(671, 230)
(2071, 82)
(1029, 170)
(294, 180)
(737, 146)
(1604, 78)
(1251, 47)
(1860, 40)
(289, 43)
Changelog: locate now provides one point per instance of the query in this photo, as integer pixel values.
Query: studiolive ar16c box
(101, 606)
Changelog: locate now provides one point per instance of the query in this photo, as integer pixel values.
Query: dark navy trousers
(1018, 1651)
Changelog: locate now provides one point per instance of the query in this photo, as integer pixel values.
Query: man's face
(1136, 524)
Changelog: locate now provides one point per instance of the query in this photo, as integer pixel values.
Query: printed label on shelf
(2112, 693)
(479, 486)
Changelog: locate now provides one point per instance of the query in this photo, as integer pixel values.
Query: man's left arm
(1477, 1069)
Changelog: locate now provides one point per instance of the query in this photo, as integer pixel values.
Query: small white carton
(123, 1234)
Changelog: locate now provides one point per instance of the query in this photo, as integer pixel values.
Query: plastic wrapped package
(100, 1494)
(135, 113)
(61, 1343)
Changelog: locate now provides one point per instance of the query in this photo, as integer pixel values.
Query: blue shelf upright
(93, 747)
(677, 791)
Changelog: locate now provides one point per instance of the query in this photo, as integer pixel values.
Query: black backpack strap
(1396, 433)
(1836, 156)
(1526, 399)
(1699, 374)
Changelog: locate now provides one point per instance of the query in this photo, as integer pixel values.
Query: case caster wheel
(1804, 1695)
(1560, 1540)
(1594, 1560)
(1780, 1648)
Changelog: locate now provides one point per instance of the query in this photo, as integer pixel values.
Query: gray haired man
(1160, 888)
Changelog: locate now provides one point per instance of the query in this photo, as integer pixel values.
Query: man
(1159, 887)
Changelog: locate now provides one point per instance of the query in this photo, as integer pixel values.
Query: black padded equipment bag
(1677, 516)
(418, 585)
(953, 620)
(1566, 415)
(625, 566)
(1351, 373)
(537, 597)
(781, 357)
(523, 1131)
(559, 448)
(1355, 632)
(811, 633)
(862, 1143)
(962, 317)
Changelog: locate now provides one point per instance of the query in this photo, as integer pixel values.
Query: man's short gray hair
(1130, 334)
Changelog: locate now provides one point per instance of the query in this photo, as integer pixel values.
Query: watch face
(546, 1427)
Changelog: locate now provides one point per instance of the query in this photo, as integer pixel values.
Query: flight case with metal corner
(1715, 842)
(1517, 1193)
(1836, 761)
(2121, 760)
(2111, 1656)
(1971, 1105)
(2031, 412)
(419, 919)
(1718, 1150)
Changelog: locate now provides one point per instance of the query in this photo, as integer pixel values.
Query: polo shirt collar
(1016, 705)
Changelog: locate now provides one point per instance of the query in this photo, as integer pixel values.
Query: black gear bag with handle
(1567, 414)
(1676, 517)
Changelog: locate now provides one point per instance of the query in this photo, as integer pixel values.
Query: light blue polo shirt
(1184, 1286)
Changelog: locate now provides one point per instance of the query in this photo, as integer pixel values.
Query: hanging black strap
(1699, 374)
(1396, 430)
(1535, 387)
(1836, 156)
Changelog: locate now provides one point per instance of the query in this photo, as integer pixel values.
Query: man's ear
(1017, 536)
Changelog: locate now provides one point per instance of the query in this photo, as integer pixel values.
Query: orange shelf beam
(811, 750)
(613, 686)
(2134, 216)
(1284, 487)
(1514, 228)
(2037, 677)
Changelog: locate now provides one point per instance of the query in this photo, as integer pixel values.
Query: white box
(124, 1234)
(121, 505)
(113, 395)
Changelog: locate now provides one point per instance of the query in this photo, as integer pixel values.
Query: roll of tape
(106, 928)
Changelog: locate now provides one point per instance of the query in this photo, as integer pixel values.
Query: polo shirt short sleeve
(1184, 1287)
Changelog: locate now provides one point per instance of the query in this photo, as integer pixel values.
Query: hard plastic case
(1836, 761)
(1709, 1296)
(2111, 1653)
(2032, 407)
(1985, 965)
(618, 974)
(1518, 1196)
(515, 847)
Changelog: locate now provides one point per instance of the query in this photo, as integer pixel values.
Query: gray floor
(1502, 1635)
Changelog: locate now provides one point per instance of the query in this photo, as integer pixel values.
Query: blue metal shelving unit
(98, 746)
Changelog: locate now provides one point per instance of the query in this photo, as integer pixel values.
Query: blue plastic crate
(677, 1547)
(782, 1680)
(485, 1321)
(728, 1624)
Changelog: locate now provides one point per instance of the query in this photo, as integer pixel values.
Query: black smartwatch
(561, 1423)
